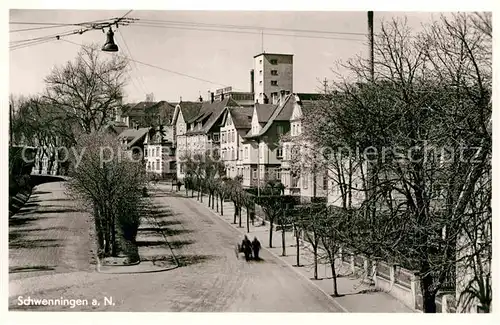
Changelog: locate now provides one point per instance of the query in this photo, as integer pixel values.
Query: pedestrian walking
(256, 248)
(246, 245)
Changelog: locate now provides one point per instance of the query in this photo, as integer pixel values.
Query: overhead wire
(160, 68)
(245, 32)
(140, 81)
(173, 22)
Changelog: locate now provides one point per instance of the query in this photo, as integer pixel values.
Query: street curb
(282, 260)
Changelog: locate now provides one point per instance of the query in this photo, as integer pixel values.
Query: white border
(240, 318)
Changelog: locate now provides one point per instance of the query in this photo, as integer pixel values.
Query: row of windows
(273, 72)
(273, 61)
(153, 152)
(229, 136)
(273, 82)
(152, 165)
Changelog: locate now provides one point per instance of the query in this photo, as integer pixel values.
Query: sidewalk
(355, 299)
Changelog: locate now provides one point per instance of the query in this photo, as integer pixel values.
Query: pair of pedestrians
(251, 248)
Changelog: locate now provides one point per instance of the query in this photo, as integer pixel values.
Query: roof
(242, 117)
(280, 54)
(209, 113)
(189, 109)
(133, 135)
(117, 127)
(147, 113)
(285, 110)
(264, 111)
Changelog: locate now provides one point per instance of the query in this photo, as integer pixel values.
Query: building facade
(272, 73)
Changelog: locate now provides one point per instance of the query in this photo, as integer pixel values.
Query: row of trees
(417, 140)
(317, 223)
(67, 122)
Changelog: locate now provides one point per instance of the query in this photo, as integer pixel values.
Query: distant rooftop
(279, 54)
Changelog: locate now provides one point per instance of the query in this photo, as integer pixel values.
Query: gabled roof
(116, 127)
(285, 110)
(133, 135)
(264, 111)
(189, 110)
(242, 117)
(210, 113)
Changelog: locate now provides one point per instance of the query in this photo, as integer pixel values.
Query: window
(279, 152)
(216, 137)
(182, 168)
(149, 165)
(158, 152)
(274, 61)
(260, 63)
(304, 181)
(223, 137)
(274, 82)
(241, 154)
(157, 164)
(278, 174)
(274, 72)
(325, 182)
(279, 129)
(146, 152)
(260, 72)
(246, 152)
(254, 173)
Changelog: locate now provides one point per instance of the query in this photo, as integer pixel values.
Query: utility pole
(325, 85)
(10, 124)
(370, 39)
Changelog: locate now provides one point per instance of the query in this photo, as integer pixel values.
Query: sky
(220, 55)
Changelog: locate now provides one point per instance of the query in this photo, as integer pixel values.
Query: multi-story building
(159, 153)
(202, 131)
(272, 73)
(236, 123)
(262, 151)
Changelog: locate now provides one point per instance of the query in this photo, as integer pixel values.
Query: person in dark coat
(256, 248)
(246, 245)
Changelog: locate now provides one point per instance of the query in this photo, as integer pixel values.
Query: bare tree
(421, 98)
(88, 90)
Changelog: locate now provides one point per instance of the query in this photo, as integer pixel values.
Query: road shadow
(35, 243)
(33, 268)
(177, 244)
(147, 243)
(66, 210)
(187, 260)
(166, 231)
(17, 221)
(162, 213)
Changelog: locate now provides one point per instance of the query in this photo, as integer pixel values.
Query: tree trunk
(217, 204)
(235, 212)
(200, 192)
(192, 192)
(239, 213)
(221, 205)
(297, 243)
(283, 233)
(248, 220)
(113, 234)
(213, 199)
(315, 253)
(270, 233)
(334, 278)
(429, 296)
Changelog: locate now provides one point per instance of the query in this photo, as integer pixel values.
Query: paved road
(212, 278)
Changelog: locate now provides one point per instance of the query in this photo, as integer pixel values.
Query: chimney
(282, 95)
(274, 98)
(209, 95)
(221, 97)
(212, 97)
(252, 80)
(201, 99)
